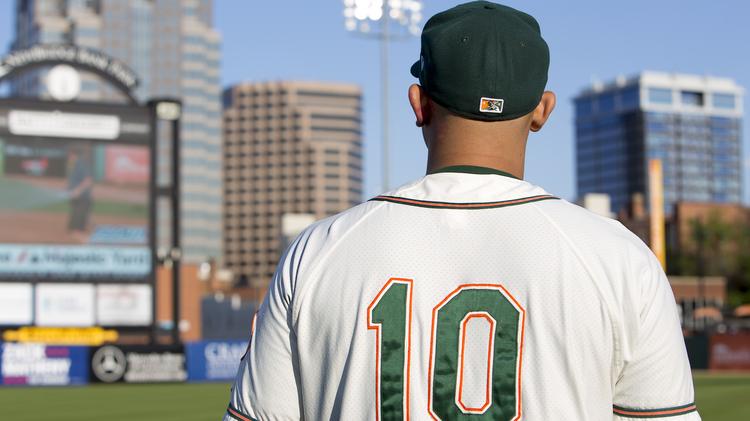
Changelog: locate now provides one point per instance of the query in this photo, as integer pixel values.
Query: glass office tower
(692, 123)
(175, 51)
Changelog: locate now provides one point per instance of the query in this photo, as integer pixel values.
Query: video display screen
(72, 208)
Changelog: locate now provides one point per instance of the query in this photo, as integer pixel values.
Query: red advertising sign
(729, 352)
(126, 164)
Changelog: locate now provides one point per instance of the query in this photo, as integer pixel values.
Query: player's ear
(420, 104)
(542, 111)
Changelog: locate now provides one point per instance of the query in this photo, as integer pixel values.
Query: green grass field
(102, 207)
(719, 398)
(723, 397)
(22, 196)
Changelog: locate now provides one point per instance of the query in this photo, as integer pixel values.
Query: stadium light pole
(360, 17)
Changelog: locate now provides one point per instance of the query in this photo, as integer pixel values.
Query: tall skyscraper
(692, 123)
(289, 148)
(172, 46)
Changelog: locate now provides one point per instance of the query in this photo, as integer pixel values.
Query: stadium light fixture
(361, 14)
(384, 20)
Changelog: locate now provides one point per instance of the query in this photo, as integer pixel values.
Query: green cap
(483, 61)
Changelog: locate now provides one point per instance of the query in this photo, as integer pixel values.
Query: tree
(716, 248)
(739, 282)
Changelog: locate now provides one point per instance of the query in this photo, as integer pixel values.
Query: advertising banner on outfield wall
(43, 365)
(16, 304)
(138, 364)
(123, 305)
(214, 360)
(729, 352)
(68, 305)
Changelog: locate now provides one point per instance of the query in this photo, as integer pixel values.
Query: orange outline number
(454, 310)
(390, 314)
(391, 310)
(490, 350)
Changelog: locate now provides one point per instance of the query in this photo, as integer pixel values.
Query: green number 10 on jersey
(477, 328)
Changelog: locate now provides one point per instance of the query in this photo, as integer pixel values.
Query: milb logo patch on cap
(491, 105)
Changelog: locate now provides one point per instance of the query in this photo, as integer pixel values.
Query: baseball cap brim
(416, 68)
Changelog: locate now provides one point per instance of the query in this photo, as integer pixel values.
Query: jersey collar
(473, 169)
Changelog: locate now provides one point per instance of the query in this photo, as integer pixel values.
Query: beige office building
(289, 148)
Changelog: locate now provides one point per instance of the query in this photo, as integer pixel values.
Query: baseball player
(468, 293)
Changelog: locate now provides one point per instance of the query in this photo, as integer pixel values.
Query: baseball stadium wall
(37, 364)
(34, 364)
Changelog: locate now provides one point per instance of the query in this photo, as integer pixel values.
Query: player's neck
(477, 149)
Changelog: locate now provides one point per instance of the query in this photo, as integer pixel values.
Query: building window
(691, 98)
(630, 98)
(725, 101)
(584, 106)
(660, 96)
(607, 103)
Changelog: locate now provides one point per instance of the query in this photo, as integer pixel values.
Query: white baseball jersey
(468, 294)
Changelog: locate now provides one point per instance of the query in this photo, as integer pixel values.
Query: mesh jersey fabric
(595, 322)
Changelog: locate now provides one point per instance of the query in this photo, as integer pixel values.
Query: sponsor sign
(61, 335)
(65, 125)
(42, 365)
(111, 124)
(138, 364)
(65, 305)
(123, 305)
(74, 261)
(114, 234)
(214, 360)
(126, 164)
(729, 352)
(16, 304)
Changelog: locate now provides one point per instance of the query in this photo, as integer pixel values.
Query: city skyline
(589, 41)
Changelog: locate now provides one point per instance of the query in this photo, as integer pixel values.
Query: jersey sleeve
(656, 381)
(266, 386)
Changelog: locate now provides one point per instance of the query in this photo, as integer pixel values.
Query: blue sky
(588, 39)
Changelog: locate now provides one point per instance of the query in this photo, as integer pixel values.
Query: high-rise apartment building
(173, 48)
(289, 148)
(692, 123)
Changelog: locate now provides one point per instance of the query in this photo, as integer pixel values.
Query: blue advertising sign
(214, 360)
(43, 365)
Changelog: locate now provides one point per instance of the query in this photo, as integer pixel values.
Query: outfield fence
(28, 364)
